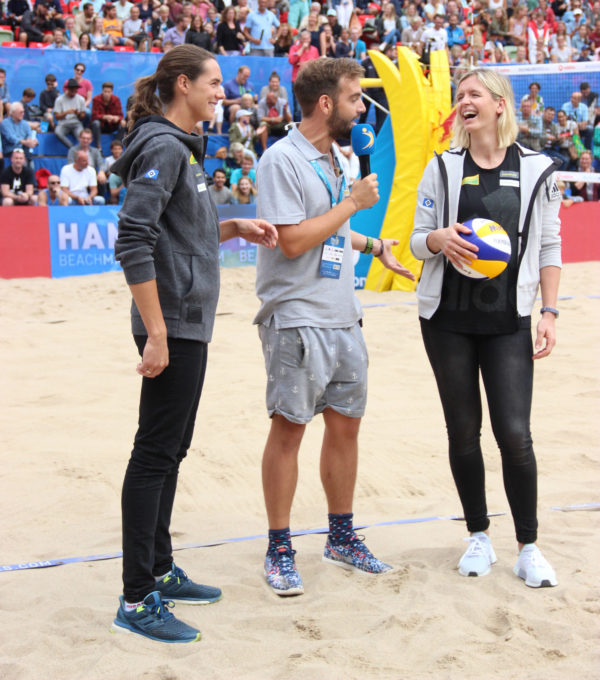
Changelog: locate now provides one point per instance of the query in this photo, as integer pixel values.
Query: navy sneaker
(281, 572)
(176, 586)
(153, 620)
(354, 555)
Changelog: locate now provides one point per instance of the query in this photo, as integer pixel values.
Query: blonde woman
(472, 327)
(499, 26)
(99, 39)
(244, 192)
(517, 26)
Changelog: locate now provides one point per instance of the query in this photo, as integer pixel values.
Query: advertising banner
(82, 240)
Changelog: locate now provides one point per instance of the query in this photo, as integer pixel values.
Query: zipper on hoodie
(524, 233)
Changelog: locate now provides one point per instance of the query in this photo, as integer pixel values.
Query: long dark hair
(187, 60)
(191, 27)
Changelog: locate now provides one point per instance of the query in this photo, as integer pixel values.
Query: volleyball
(494, 249)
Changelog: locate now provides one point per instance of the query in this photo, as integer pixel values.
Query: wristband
(552, 310)
(369, 247)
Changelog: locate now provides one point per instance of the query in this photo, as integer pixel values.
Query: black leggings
(507, 371)
(168, 406)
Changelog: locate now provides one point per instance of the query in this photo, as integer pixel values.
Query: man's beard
(338, 127)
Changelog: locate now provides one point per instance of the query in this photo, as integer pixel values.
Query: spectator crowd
(571, 135)
(471, 31)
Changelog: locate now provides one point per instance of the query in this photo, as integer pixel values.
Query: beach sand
(69, 396)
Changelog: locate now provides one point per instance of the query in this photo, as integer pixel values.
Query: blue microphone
(363, 145)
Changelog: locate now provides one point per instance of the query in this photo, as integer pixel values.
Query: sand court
(69, 396)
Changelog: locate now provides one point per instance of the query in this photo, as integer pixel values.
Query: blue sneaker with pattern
(354, 555)
(153, 620)
(178, 587)
(281, 572)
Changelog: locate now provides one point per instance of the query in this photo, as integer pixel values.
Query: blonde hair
(237, 194)
(500, 88)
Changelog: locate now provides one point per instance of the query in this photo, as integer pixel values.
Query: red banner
(25, 238)
(580, 231)
(24, 242)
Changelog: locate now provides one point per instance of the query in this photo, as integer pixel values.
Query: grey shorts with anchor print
(311, 369)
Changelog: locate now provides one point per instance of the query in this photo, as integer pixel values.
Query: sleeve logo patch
(152, 174)
(555, 193)
(428, 203)
(201, 187)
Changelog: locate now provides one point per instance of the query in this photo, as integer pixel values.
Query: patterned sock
(340, 528)
(279, 538)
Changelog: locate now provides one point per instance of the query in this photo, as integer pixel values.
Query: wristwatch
(552, 310)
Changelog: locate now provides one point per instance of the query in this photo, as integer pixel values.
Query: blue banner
(369, 222)
(27, 68)
(237, 252)
(82, 240)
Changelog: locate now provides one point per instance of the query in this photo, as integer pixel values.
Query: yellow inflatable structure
(420, 108)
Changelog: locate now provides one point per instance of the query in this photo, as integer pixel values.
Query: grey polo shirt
(291, 291)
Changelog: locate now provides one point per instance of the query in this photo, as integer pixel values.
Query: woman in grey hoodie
(168, 246)
(472, 326)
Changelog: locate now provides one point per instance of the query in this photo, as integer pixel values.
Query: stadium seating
(212, 164)
(52, 154)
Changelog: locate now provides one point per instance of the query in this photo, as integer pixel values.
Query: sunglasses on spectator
(53, 182)
(79, 70)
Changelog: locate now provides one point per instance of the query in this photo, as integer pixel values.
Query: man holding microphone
(309, 319)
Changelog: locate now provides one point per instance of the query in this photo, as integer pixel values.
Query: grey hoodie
(168, 227)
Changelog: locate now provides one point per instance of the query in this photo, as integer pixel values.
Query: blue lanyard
(319, 170)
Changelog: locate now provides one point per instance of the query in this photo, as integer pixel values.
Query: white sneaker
(478, 557)
(534, 568)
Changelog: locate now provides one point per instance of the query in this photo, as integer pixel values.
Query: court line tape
(42, 564)
(580, 506)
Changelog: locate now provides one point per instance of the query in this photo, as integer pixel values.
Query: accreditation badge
(332, 256)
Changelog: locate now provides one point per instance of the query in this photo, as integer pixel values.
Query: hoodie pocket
(199, 287)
